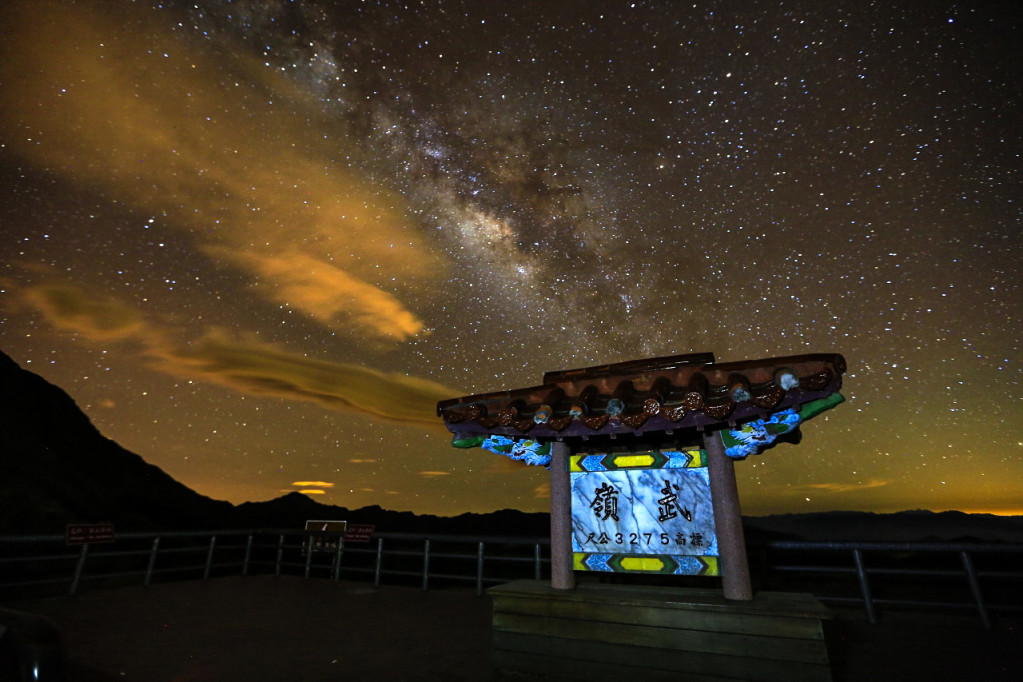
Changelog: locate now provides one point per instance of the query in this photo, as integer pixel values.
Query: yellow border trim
(633, 461)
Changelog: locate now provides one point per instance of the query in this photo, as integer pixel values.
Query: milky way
(258, 241)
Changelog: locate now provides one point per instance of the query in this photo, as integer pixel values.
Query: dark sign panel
(89, 533)
(359, 532)
(326, 526)
(328, 532)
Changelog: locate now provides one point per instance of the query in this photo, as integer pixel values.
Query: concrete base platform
(598, 631)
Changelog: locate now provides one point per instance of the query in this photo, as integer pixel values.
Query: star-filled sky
(256, 241)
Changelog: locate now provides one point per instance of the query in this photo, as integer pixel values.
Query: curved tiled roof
(647, 396)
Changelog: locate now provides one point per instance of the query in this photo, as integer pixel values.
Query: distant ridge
(908, 526)
(57, 468)
(293, 509)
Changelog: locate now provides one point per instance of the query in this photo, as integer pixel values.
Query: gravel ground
(286, 628)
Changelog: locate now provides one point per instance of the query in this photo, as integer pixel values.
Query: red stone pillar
(562, 577)
(732, 561)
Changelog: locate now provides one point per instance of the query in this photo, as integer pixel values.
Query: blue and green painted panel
(755, 436)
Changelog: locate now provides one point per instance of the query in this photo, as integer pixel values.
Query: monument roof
(647, 396)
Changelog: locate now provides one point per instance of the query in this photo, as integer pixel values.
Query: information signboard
(330, 531)
(359, 532)
(647, 512)
(89, 533)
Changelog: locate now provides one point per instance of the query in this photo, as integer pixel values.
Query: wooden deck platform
(599, 631)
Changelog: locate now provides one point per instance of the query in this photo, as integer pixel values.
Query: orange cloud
(848, 487)
(261, 369)
(245, 171)
(328, 293)
(248, 366)
(71, 309)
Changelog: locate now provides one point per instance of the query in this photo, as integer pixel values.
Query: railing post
(479, 569)
(280, 554)
(79, 567)
(337, 558)
(861, 573)
(380, 558)
(248, 554)
(209, 558)
(536, 561)
(426, 565)
(978, 597)
(152, 561)
(308, 555)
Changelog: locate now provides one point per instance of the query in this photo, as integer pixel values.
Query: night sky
(257, 241)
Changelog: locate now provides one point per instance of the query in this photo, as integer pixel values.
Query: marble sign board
(643, 512)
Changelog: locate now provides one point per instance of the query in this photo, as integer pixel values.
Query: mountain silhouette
(918, 525)
(56, 468)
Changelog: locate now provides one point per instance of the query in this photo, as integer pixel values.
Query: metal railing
(46, 562)
(977, 577)
(908, 574)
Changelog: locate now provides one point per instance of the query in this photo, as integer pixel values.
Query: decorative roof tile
(647, 396)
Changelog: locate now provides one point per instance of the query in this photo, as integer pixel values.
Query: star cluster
(258, 240)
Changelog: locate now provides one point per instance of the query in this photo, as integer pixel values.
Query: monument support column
(732, 561)
(562, 577)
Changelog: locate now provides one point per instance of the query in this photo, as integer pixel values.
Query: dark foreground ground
(287, 628)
